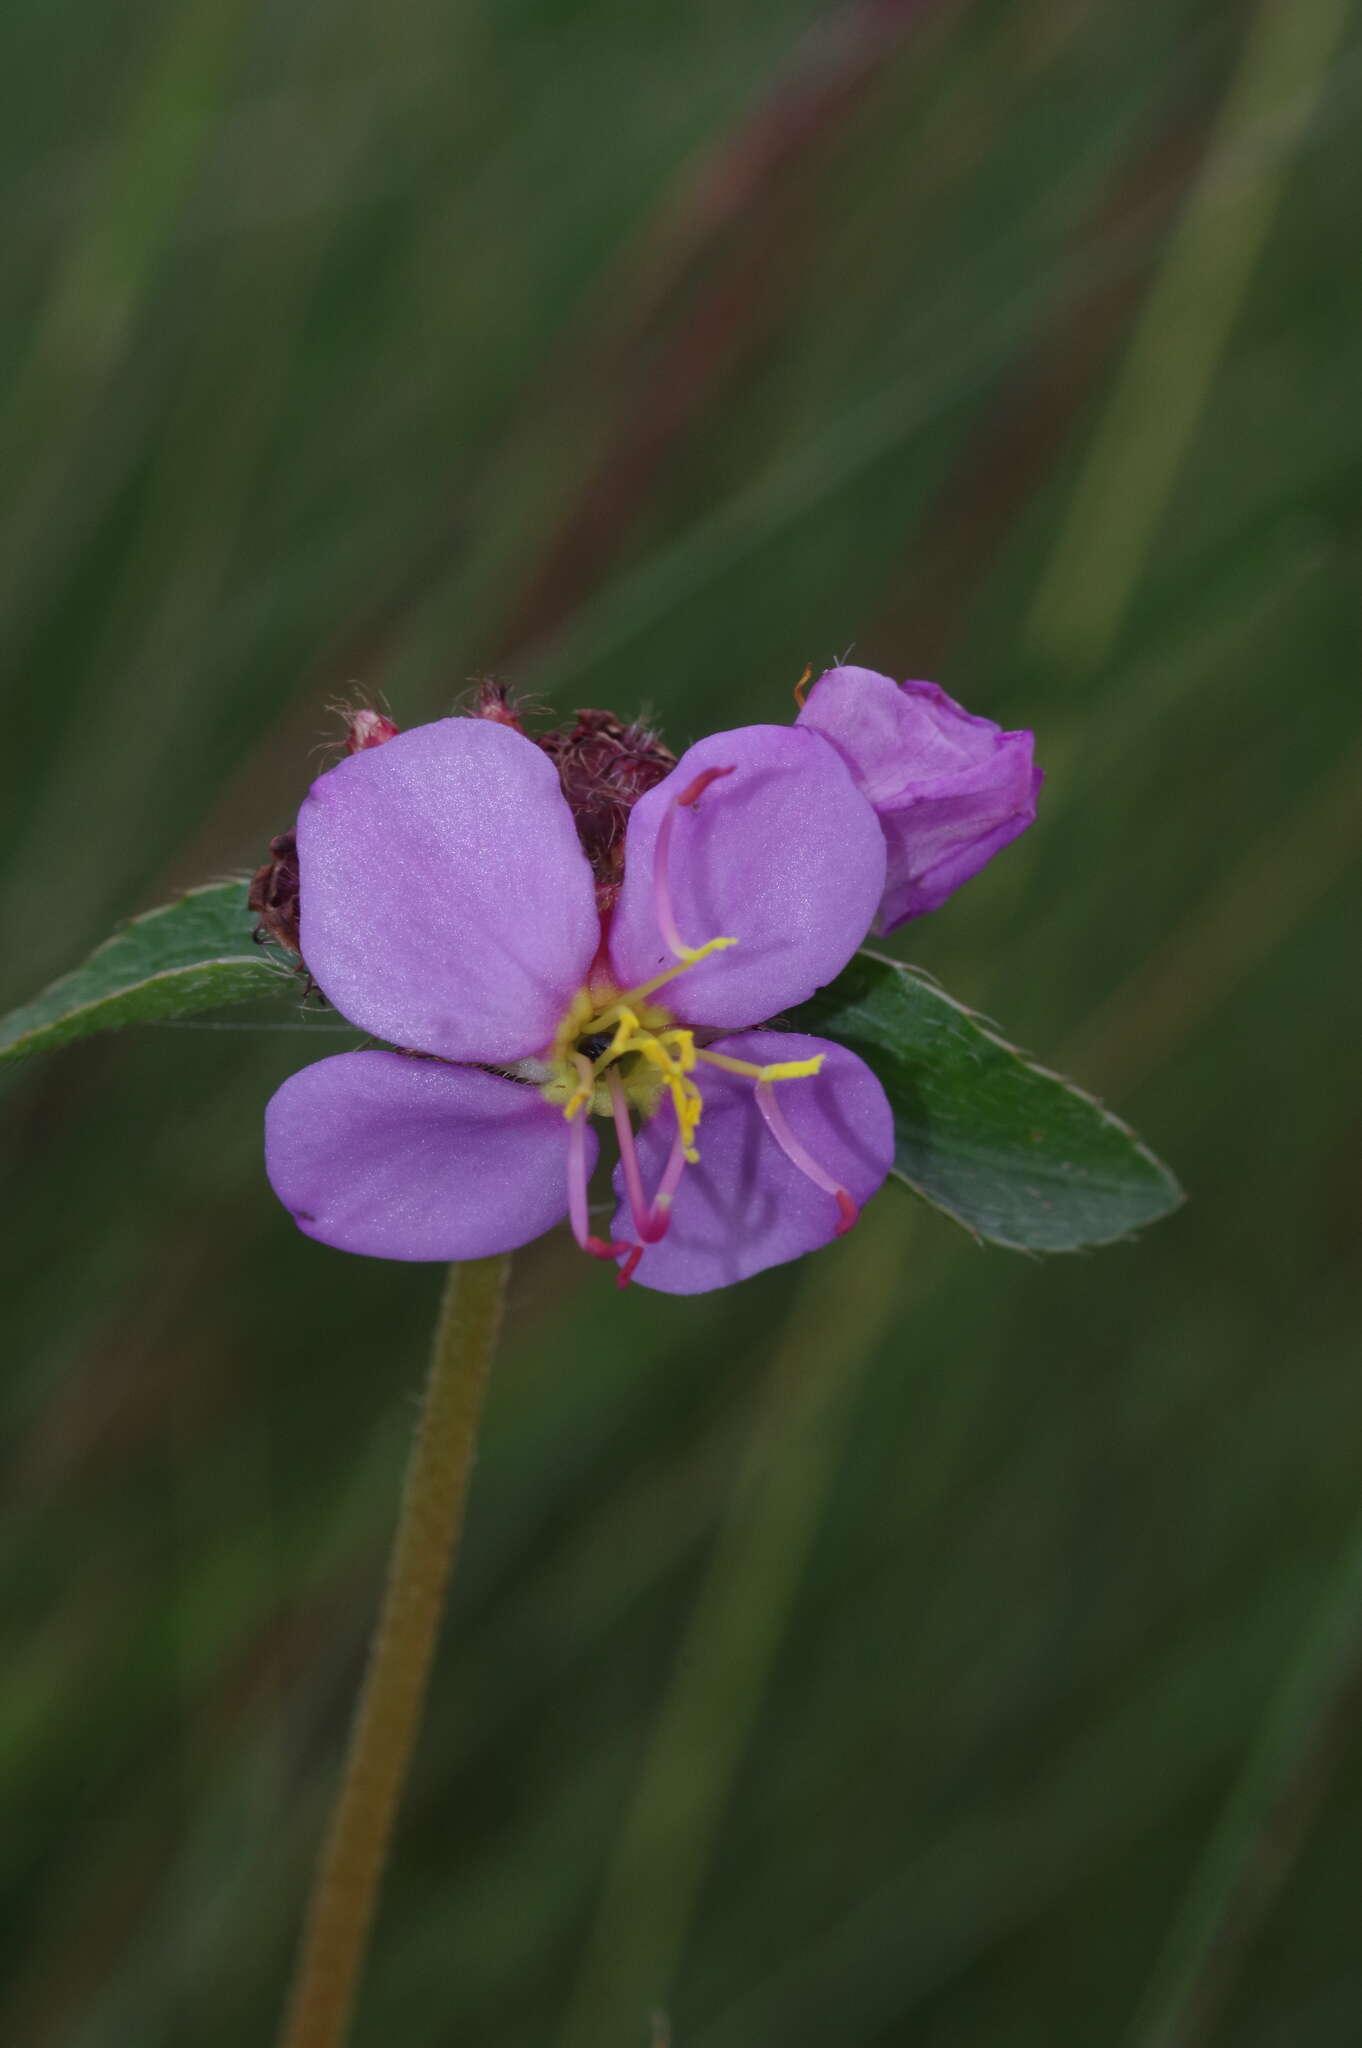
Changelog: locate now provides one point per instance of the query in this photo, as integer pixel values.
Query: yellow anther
(684, 1042)
(647, 988)
(673, 1053)
(690, 954)
(657, 1047)
(630, 1028)
(626, 1030)
(791, 1070)
(780, 1070)
(585, 1090)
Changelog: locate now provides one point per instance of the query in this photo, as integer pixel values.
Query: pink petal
(784, 855)
(411, 1159)
(746, 1206)
(447, 905)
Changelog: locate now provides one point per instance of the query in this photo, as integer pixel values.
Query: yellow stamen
(585, 1089)
(685, 1044)
(636, 995)
(673, 1053)
(781, 1070)
(627, 1030)
(640, 1030)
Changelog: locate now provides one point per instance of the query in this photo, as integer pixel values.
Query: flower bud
(494, 701)
(367, 728)
(950, 790)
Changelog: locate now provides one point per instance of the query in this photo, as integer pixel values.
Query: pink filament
(651, 1220)
(671, 1178)
(789, 1144)
(662, 887)
(649, 1224)
(577, 1209)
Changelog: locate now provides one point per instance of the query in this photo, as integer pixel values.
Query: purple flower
(950, 790)
(448, 907)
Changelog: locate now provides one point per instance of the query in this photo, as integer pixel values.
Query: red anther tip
(599, 1249)
(801, 688)
(848, 1213)
(693, 791)
(630, 1266)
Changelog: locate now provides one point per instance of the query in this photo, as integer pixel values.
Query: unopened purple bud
(950, 790)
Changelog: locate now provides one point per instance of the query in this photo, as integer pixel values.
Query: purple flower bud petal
(949, 789)
(783, 855)
(447, 904)
(411, 1159)
(747, 1206)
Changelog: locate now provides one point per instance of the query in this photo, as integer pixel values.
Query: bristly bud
(273, 894)
(367, 728)
(493, 700)
(605, 766)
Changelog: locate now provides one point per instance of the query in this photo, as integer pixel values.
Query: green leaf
(1016, 1154)
(194, 954)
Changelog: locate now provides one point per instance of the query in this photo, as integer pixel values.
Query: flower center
(626, 1047)
(617, 1054)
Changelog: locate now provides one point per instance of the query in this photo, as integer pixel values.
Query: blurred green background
(921, 1645)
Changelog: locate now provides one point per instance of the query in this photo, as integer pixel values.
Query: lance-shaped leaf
(1018, 1155)
(194, 954)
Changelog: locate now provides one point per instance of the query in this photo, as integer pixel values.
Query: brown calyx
(605, 766)
(273, 894)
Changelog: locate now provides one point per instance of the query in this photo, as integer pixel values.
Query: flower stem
(345, 1889)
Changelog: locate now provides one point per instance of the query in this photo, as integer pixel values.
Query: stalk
(350, 1871)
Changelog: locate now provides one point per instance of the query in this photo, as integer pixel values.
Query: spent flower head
(558, 930)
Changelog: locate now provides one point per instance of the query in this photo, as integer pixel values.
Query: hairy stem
(345, 1889)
